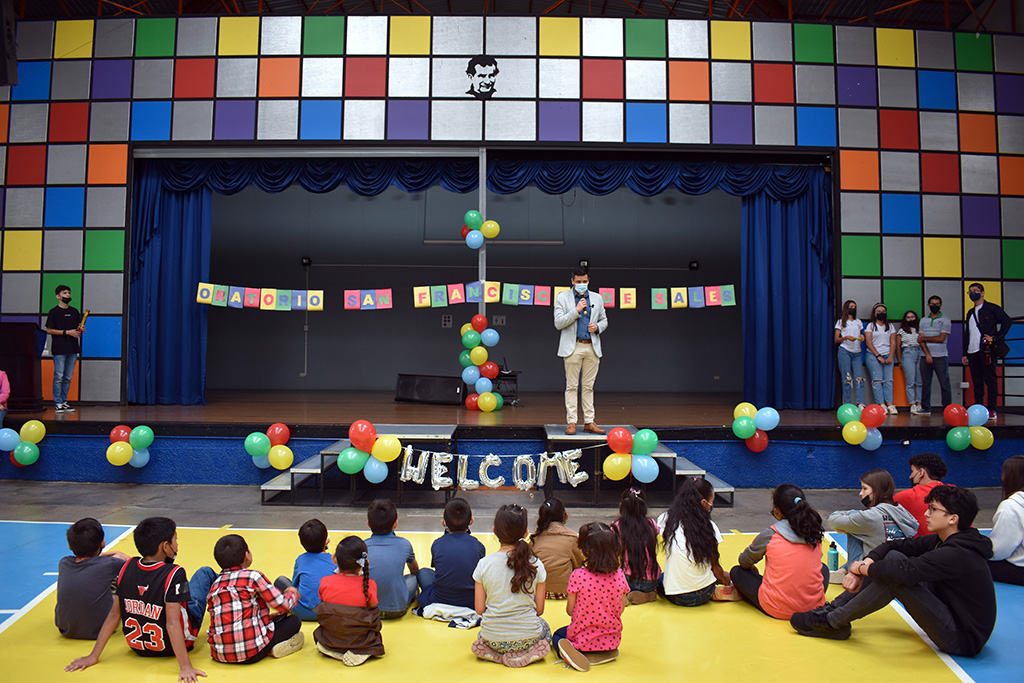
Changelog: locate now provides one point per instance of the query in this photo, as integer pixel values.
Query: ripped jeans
(851, 372)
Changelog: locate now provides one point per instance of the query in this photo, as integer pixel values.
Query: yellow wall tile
(73, 39)
(895, 47)
(993, 293)
(409, 36)
(239, 36)
(559, 36)
(23, 250)
(730, 40)
(942, 257)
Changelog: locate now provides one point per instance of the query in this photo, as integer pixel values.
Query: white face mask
(581, 287)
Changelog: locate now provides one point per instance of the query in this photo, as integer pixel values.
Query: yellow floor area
(720, 641)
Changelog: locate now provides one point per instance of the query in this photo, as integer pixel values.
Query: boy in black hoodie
(942, 579)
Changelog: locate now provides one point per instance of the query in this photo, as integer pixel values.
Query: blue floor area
(29, 553)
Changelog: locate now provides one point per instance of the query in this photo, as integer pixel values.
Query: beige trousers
(580, 368)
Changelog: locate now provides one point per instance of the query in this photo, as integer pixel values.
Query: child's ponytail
(351, 555)
(790, 500)
(510, 527)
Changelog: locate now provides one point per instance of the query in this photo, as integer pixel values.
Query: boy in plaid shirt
(241, 628)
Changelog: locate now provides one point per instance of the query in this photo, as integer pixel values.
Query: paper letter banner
(696, 297)
(492, 292)
(315, 300)
(510, 294)
(351, 299)
(252, 297)
(421, 297)
(474, 292)
(627, 297)
(268, 299)
(284, 300)
(235, 295)
(559, 290)
(608, 296)
(205, 294)
(679, 297)
(383, 298)
(220, 295)
(659, 298)
(541, 295)
(438, 296)
(525, 295)
(367, 299)
(456, 294)
(298, 299)
(728, 295)
(713, 296)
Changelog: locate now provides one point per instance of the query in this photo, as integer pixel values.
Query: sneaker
(573, 657)
(484, 651)
(836, 576)
(602, 656)
(521, 658)
(815, 624)
(58, 407)
(640, 597)
(289, 647)
(67, 408)
(352, 659)
(892, 409)
(726, 594)
(992, 415)
(860, 406)
(924, 411)
(324, 650)
(915, 409)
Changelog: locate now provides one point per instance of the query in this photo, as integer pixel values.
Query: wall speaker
(429, 389)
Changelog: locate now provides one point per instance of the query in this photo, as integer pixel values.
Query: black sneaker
(815, 624)
(66, 408)
(58, 408)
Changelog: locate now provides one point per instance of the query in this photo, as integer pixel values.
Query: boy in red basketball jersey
(159, 610)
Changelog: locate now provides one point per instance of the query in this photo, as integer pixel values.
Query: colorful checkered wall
(929, 128)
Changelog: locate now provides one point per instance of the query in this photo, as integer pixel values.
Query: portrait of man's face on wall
(482, 72)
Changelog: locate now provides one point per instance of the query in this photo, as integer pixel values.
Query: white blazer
(566, 317)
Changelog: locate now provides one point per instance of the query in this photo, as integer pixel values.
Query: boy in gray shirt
(935, 328)
(84, 581)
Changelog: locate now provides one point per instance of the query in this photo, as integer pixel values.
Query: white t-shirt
(509, 616)
(908, 340)
(880, 336)
(974, 343)
(682, 574)
(851, 328)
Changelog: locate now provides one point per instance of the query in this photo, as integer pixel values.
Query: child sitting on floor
(639, 534)
(453, 558)
(310, 567)
(510, 596)
(389, 556)
(349, 618)
(241, 628)
(597, 596)
(84, 581)
(556, 546)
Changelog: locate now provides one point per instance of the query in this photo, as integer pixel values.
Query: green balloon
(848, 413)
(471, 339)
(958, 438)
(464, 359)
(351, 460)
(141, 437)
(499, 399)
(26, 453)
(645, 441)
(257, 444)
(473, 219)
(743, 427)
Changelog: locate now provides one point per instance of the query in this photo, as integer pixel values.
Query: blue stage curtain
(170, 255)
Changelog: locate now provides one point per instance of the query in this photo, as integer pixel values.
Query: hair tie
(362, 561)
(797, 500)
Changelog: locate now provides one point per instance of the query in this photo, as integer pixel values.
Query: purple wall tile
(857, 85)
(732, 124)
(408, 120)
(981, 215)
(1009, 94)
(559, 121)
(112, 79)
(234, 120)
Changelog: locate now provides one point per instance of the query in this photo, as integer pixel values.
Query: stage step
(287, 482)
(721, 488)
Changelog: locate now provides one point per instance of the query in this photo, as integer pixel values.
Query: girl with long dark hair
(1007, 563)
(639, 535)
(556, 546)
(908, 355)
(848, 337)
(348, 614)
(880, 340)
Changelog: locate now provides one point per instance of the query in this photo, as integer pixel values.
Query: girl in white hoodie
(1007, 563)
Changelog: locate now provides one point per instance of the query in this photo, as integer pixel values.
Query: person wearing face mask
(935, 327)
(926, 472)
(984, 344)
(880, 338)
(580, 317)
(849, 335)
(62, 324)
(908, 355)
(883, 520)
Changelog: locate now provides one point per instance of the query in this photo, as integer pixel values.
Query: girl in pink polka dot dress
(597, 596)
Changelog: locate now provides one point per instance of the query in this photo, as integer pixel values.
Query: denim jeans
(691, 599)
(939, 366)
(63, 370)
(851, 372)
(198, 590)
(881, 380)
(912, 373)
(642, 585)
(854, 550)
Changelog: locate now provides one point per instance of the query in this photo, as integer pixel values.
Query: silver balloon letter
(439, 471)
(465, 483)
(489, 461)
(527, 482)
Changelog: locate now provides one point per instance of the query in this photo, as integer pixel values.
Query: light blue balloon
(471, 374)
(483, 385)
(645, 468)
(375, 471)
(8, 439)
(490, 337)
(140, 457)
(977, 416)
(767, 419)
(474, 239)
(872, 441)
(261, 461)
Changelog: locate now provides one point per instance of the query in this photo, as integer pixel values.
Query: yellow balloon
(33, 431)
(119, 453)
(981, 438)
(386, 448)
(744, 410)
(281, 457)
(465, 328)
(490, 229)
(854, 432)
(617, 466)
(487, 402)
(478, 355)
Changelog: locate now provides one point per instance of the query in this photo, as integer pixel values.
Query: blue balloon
(140, 457)
(490, 337)
(872, 441)
(645, 468)
(474, 239)
(766, 419)
(471, 374)
(8, 439)
(977, 416)
(483, 385)
(261, 461)
(375, 471)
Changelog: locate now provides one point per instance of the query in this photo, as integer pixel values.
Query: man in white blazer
(580, 316)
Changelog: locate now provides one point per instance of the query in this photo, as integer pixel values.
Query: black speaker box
(429, 389)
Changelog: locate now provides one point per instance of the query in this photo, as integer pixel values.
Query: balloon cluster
(752, 425)
(967, 427)
(22, 445)
(270, 448)
(476, 229)
(368, 453)
(130, 446)
(477, 371)
(860, 427)
(631, 453)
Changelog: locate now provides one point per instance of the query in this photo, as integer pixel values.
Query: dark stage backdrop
(359, 242)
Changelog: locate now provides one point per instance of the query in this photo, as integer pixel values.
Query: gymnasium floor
(719, 641)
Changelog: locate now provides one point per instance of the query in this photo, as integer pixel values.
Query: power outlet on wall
(498, 320)
(446, 321)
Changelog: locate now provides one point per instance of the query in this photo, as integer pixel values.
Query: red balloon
(278, 434)
(620, 440)
(14, 461)
(489, 370)
(956, 415)
(873, 416)
(758, 442)
(471, 401)
(479, 322)
(465, 231)
(362, 434)
(122, 432)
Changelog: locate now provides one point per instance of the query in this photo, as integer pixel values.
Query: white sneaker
(860, 406)
(66, 408)
(289, 647)
(892, 409)
(915, 409)
(992, 415)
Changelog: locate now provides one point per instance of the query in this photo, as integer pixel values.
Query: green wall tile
(645, 38)
(323, 36)
(104, 250)
(813, 43)
(47, 300)
(901, 296)
(154, 37)
(1013, 259)
(973, 52)
(862, 255)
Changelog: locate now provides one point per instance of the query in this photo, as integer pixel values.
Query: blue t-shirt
(309, 569)
(454, 557)
(388, 554)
